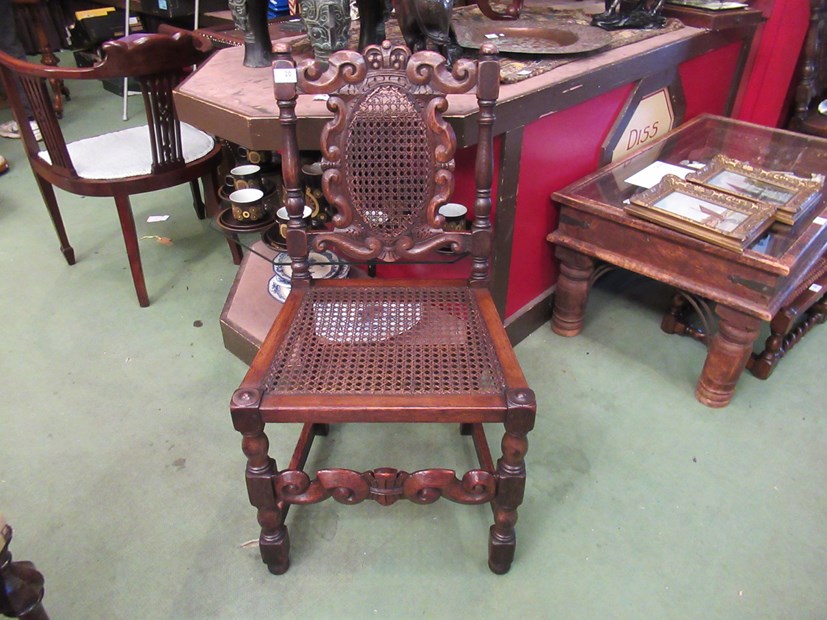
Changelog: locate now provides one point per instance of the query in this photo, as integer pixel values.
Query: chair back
(388, 154)
(157, 61)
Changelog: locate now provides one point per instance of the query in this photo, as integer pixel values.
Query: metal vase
(328, 25)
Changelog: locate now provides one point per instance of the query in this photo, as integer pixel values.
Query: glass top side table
(747, 288)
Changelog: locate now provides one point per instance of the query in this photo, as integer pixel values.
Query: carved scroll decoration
(412, 86)
(385, 485)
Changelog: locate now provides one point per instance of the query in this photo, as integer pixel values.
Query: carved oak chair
(386, 350)
(161, 154)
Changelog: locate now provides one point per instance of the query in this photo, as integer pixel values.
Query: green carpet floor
(124, 479)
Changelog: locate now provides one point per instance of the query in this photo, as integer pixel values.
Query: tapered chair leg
(49, 198)
(235, 249)
(210, 185)
(130, 238)
(197, 202)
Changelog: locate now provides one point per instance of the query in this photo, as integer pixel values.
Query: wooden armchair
(386, 350)
(161, 154)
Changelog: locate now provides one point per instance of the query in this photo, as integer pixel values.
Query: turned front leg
(274, 542)
(728, 353)
(511, 476)
(572, 292)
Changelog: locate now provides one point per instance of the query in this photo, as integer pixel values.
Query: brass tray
(530, 36)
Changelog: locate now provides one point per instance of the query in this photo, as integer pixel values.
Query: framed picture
(718, 217)
(790, 195)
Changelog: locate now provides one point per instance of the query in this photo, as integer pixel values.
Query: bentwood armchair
(386, 350)
(160, 154)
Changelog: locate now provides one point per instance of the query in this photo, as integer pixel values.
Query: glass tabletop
(692, 146)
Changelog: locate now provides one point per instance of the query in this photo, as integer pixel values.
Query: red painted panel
(557, 150)
(707, 79)
(771, 67)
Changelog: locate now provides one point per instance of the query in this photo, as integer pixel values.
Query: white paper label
(157, 218)
(653, 173)
(816, 288)
(820, 221)
(284, 76)
(321, 97)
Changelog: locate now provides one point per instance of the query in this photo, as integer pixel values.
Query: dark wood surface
(39, 20)
(747, 288)
(21, 585)
(448, 358)
(714, 20)
(158, 62)
(812, 75)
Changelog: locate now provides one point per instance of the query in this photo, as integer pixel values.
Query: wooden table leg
(729, 351)
(572, 292)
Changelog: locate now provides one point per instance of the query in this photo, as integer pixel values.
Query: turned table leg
(729, 351)
(572, 291)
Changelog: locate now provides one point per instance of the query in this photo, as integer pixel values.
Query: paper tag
(524, 72)
(157, 218)
(284, 76)
(653, 173)
(820, 221)
(491, 35)
(321, 97)
(816, 288)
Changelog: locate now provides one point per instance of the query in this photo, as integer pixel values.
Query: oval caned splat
(388, 165)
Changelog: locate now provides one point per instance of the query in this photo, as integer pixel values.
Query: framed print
(717, 217)
(789, 194)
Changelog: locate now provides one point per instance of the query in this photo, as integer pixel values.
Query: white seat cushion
(128, 152)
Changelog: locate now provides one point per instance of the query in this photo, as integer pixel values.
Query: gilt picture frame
(714, 216)
(791, 195)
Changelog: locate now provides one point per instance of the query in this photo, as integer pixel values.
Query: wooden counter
(551, 129)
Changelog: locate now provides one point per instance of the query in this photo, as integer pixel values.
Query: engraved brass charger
(531, 36)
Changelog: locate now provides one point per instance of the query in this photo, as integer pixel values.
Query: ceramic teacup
(454, 214)
(283, 218)
(247, 205)
(255, 157)
(247, 176)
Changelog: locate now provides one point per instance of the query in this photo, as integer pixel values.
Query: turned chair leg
(511, 475)
(274, 541)
(133, 253)
(49, 198)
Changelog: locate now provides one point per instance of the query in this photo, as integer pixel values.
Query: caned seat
(387, 350)
(160, 154)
